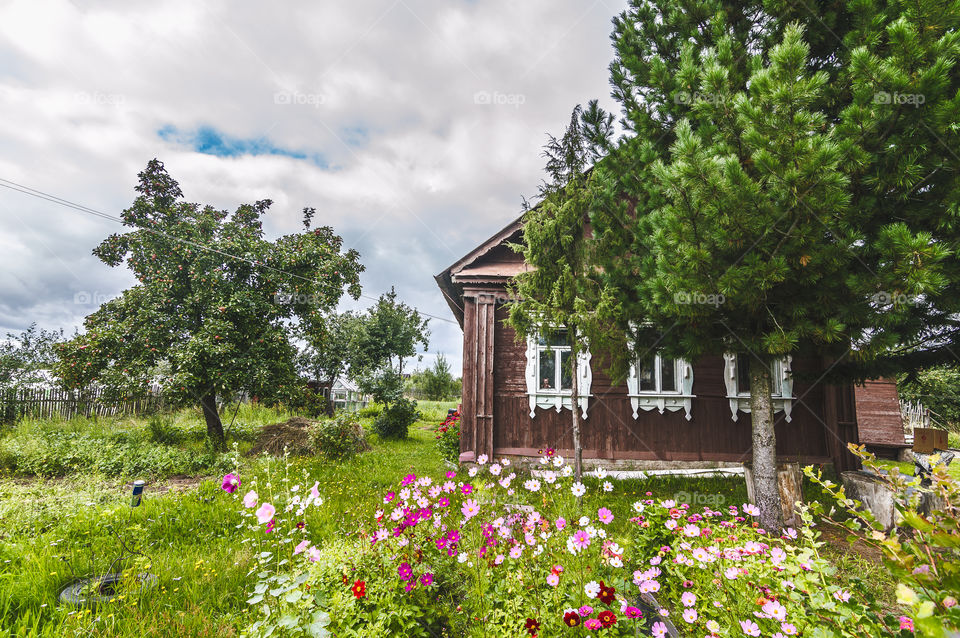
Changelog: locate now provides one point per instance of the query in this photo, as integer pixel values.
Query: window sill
(557, 400)
(741, 403)
(672, 401)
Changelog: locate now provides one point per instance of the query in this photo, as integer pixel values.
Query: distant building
(346, 395)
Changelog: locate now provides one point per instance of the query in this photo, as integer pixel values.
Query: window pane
(668, 375)
(566, 380)
(743, 374)
(547, 370)
(647, 375)
(556, 338)
(776, 386)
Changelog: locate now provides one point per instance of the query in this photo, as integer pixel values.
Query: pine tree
(776, 155)
(560, 291)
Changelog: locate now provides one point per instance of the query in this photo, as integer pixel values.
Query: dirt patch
(836, 538)
(292, 435)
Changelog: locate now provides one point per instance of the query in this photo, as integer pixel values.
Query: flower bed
(497, 550)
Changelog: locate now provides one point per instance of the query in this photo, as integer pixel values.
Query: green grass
(907, 468)
(52, 530)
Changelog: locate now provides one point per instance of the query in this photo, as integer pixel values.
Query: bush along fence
(49, 403)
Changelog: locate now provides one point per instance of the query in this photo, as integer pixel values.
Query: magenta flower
(451, 474)
(408, 479)
(405, 571)
(906, 623)
(467, 488)
(443, 502)
(561, 523)
(592, 624)
(230, 483)
(426, 579)
(270, 526)
(632, 612)
(586, 610)
(388, 497)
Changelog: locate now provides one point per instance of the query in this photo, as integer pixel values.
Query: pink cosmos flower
(649, 586)
(467, 489)
(230, 483)
(690, 615)
(313, 554)
(561, 523)
(788, 629)
(553, 580)
(842, 595)
(470, 508)
(250, 499)
(750, 628)
(270, 526)
(689, 599)
(451, 474)
(775, 610)
(299, 549)
(265, 513)
(659, 630)
(731, 573)
(581, 540)
(605, 515)
(408, 479)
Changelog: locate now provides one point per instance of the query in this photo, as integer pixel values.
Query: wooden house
(516, 395)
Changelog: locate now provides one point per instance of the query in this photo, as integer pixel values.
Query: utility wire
(27, 190)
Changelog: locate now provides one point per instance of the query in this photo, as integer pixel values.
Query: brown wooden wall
(496, 410)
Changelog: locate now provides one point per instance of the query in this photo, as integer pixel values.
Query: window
(743, 376)
(658, 382)
(549, 376)
(553, 362)
(736, 377)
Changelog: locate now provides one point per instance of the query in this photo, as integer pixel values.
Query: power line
(33, 192)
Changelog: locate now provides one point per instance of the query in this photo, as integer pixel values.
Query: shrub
(448, 438)
(923, 555)
(161, 430)
(395, 420)
(371, 411)
(341, 437)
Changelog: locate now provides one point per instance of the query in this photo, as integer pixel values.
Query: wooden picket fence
(54, 403)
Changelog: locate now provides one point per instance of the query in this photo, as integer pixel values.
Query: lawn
(73, 520)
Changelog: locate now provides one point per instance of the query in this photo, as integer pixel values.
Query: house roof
(491, 262)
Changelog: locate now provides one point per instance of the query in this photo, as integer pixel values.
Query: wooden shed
(667, 412)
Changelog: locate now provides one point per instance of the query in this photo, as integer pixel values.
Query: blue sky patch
(209, 141)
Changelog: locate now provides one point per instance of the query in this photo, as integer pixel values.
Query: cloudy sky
(413, 127)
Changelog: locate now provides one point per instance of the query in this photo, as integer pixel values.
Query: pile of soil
(294, 435)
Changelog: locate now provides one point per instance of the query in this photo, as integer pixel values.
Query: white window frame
(781, 378)
(556, 398)
(673, 400)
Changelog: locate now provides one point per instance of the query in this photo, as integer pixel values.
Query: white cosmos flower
(578, 489)
(592, 589)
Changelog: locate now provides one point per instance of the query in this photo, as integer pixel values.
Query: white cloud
(414, 171)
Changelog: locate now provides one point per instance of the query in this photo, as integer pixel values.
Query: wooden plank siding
(878, 414)
(611, 432)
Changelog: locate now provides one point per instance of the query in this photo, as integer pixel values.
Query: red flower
(606, 594)
(532, 626)
(571, 619)
(359, 589)
(607, 618)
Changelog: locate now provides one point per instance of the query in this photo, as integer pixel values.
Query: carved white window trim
(556, 399)
(740, 401)
(680, 399)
